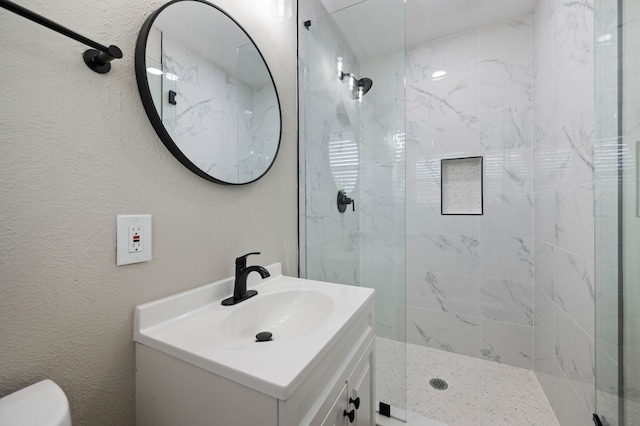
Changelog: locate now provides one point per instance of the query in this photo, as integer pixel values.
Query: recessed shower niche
(461, 186)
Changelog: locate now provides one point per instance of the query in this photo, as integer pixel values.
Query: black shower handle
(343, 201)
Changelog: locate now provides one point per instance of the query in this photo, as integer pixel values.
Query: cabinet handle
(351, 414)
(355, 402)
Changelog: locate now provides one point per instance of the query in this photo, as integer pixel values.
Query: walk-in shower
(531, 283)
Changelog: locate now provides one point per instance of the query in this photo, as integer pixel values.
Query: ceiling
(368, 24)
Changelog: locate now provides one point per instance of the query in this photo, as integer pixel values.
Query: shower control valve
(343, 201)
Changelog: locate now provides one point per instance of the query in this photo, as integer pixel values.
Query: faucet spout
(240, 289)
(240, 292)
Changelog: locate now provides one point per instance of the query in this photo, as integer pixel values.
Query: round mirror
(208, 92)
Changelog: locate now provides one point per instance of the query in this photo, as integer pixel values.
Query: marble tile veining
(455, 54)
(505, 343)
(453, 95)
(506, 128)
(456, 294)
(455, 254)
(507, 215)
(508, 258)
(575, 354)
(505, 42)
(440, 330)
(505, 85)
(563, 82)
(507, 301)
(574, 288)
(479, 103)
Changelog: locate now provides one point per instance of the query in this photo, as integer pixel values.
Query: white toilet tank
(41, 404)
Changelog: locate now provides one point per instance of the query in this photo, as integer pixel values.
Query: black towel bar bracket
(98, 58)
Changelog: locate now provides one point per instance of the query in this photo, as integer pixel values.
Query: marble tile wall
(564, 270)
(382, 190)
(470, 278)
(358, 147)
(365, 246)
(329, 118)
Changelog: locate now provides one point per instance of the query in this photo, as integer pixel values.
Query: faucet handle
(242, 260)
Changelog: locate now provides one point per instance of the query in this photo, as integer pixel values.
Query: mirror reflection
(211, 95)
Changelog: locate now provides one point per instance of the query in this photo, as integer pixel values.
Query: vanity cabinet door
(362, 389)
(336, 416)
(361, 392)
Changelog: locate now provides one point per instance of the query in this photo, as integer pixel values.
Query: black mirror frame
(152, 112)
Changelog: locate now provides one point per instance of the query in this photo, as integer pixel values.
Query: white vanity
(198, 362)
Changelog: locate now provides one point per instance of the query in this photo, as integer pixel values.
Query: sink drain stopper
(263, 336)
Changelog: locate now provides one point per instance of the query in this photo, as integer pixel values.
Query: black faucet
(240, 292)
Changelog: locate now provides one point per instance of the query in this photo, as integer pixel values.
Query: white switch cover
(133, 236)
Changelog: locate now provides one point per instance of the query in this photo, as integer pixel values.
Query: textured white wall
(76, 149)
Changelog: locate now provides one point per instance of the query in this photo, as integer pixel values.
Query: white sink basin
(285, 314)
(305, 317)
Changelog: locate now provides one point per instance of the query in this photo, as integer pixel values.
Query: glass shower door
(352, 139)
(617, 211)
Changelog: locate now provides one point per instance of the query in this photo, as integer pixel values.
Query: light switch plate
(133, 237)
